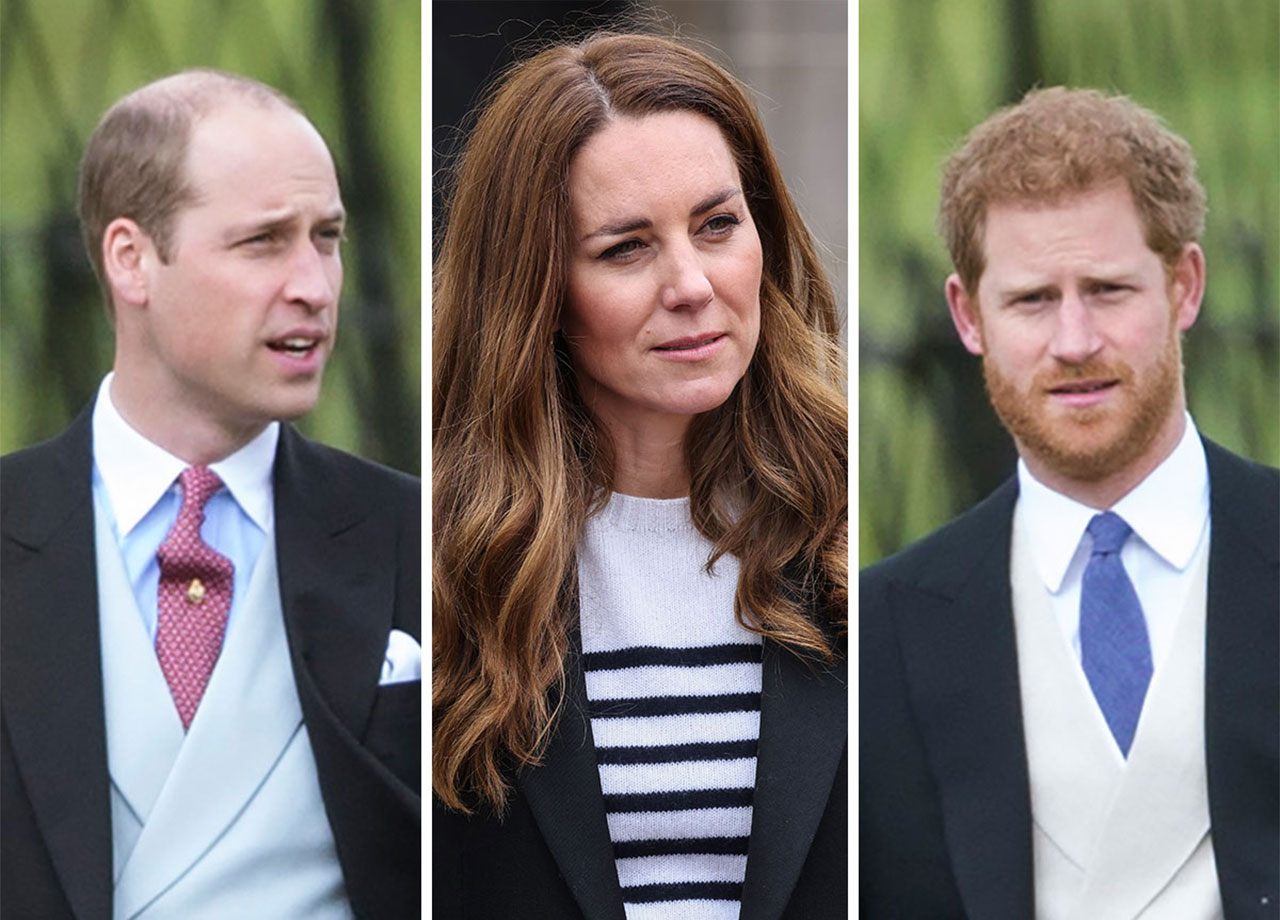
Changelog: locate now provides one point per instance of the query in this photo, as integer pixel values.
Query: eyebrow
(631, 224)
(280, 220)
(1109, 275)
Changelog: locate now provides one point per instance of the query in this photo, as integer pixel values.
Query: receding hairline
(202, 90)
(135, 161)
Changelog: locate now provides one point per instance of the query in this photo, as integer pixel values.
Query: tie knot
(1109, 531)
(198, 485)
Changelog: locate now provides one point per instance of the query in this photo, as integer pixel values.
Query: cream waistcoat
(1115, 839)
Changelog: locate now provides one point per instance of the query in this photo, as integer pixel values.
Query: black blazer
(943, 785)
(551, 857)
(348, 537)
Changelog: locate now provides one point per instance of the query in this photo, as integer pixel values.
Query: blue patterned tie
(1114, 648)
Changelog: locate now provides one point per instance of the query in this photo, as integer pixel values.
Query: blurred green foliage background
(930, 70)
(353, 66)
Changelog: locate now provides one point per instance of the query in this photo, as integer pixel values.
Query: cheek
(745, 281)
(1154, 337)
(202, 294)
(1016, 356)
(597, 313)
(578, 316)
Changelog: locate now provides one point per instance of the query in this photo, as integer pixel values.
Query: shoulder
(333, 470)
(38, 484)
(1239, 475)
(945, 558)
(1244, 497)
(73, 445)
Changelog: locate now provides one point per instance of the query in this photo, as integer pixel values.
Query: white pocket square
(403, 659)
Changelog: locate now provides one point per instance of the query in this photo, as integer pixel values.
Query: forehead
(251, 155)
(635, 165)
(1097, 228)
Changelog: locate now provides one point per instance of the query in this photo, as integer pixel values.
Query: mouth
(689, 343)
(1082, 395)
(296, 346)
(1082, 387)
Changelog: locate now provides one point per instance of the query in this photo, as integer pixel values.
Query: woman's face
(663, 307)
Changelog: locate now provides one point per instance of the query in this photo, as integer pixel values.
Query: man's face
(239, 323)
(1078, 325)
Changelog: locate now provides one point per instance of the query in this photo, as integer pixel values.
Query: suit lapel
(960, 656)
(804, 724)
(1242, 695)
(52, 668)
(566, 800)
(330, 546)
(338, 616)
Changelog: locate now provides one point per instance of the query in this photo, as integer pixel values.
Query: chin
(697, 406)
(294, 412)
(1092, 452)
(694, 400)
(292, 406)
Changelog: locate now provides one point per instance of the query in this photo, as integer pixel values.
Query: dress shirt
(137, 479)
(1169, 514)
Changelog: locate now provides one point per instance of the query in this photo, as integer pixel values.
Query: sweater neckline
(652, 515)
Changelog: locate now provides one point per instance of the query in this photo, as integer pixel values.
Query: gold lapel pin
(195, 591)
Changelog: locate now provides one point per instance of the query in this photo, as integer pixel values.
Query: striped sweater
(673, 685)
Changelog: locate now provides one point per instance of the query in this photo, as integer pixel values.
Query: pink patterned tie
(194, 597)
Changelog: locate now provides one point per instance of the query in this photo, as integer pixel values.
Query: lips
(1076, 387)
(689, 343)
(296, 344)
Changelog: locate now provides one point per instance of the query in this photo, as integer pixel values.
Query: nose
(314, 278)
(1075, 334)
(686, 285)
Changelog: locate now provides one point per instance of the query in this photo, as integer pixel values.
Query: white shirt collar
(1168, 511)
(137, 472)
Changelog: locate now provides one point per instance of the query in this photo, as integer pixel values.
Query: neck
(191, 436)
(1104, 492)
(649, 462)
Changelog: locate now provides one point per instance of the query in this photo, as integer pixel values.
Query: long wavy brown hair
(518, 462)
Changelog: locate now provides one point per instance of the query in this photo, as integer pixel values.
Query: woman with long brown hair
(639, 507)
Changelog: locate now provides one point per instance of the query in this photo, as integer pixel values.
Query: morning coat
(348, 536)
(945, 814)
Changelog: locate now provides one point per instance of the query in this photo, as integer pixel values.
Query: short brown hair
(133, 165)
(1058, 142)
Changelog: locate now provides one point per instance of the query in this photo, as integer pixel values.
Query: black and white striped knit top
(673, 684)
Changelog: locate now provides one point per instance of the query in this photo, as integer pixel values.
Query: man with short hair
(1070, 695)
(210, 642)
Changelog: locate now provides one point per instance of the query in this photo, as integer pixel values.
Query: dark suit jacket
(551, 856)
(347, 540)
(943, 786)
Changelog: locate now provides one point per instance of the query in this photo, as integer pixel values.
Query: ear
(964, 314)
(1186, 286)
(126, 250)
